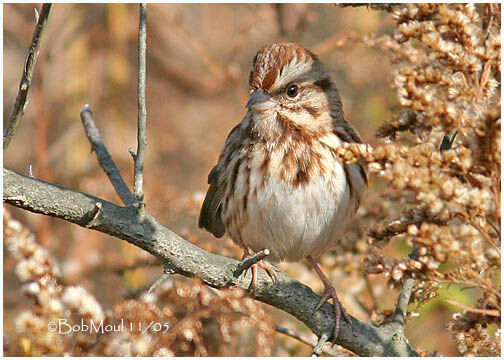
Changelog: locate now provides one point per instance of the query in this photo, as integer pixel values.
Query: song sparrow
(279, 183)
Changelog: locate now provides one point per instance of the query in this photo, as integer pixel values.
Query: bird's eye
(292, 90)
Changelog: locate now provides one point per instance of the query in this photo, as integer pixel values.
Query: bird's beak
(260, 100)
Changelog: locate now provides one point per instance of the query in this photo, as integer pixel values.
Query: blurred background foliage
(198, 60)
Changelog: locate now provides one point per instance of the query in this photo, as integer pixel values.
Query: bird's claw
(269, 269)
(330, 293)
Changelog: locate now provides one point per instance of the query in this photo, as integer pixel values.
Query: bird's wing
(210, 215)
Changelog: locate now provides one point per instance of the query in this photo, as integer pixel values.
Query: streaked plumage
(279, 183)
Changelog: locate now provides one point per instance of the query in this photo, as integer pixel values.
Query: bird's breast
(295, 202)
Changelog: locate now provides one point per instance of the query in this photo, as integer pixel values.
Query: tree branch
(142, 111)
(24, 86)
(248, 262)
(187, 259)
(104, 158)
(403, 300)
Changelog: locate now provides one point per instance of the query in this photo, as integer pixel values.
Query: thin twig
(142, 111)
(403, 302)
(371, 292)
(495, 228)
(164, 276)
(26, 78)
(104, 158)
(328, 350)
(485, 234)
(404, 297)
(248, 262)
(489, 312)
(477, 284)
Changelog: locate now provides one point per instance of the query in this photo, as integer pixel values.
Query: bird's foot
(330, 293)
(252, 262)
(269, 269)
(339, 309)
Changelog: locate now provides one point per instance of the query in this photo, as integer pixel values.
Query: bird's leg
(269, 269)
(329, 292)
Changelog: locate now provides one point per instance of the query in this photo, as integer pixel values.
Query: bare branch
(167, 272)
(187, 259)
(247, 263)
(404, 297)
(403, 302)
(24, 86)
(104, 158)
(489, 312)
(142, 111)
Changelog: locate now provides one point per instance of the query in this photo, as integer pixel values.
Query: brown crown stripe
(269, 79)
(279, 56)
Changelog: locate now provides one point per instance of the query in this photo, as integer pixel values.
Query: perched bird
(279, 183)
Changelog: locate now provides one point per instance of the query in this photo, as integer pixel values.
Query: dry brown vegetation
(407, 79)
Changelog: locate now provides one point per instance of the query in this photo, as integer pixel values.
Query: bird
(279, 183)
